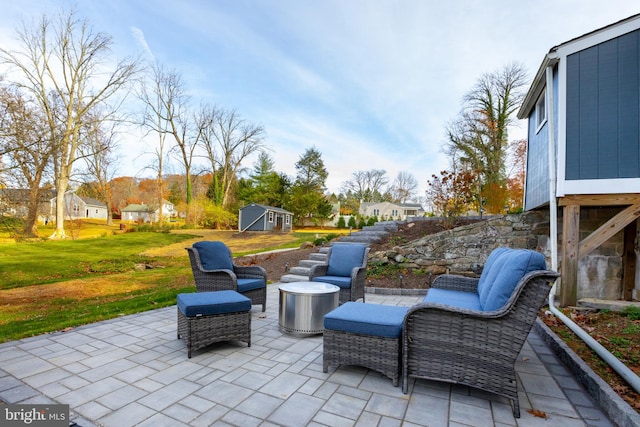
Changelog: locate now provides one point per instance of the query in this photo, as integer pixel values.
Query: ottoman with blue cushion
(368, 335)
(208, 317)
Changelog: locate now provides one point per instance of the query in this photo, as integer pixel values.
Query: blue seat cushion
(460, 299)
(345, 257)
(208, 303)
(517, 263)
(367, 319)
(245, 285)
(491, 269)
(341, 282)
(214, 255)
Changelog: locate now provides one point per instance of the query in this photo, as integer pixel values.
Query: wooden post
(570, 246)
(629, 260)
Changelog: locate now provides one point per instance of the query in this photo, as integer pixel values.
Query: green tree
(265, 185)
(307, 200)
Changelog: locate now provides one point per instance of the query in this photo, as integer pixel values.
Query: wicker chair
(214, 270)
(346, 268)
(472, 347)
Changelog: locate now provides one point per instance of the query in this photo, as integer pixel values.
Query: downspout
(627, 374)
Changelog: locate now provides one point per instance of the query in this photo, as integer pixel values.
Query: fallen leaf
(537, 413)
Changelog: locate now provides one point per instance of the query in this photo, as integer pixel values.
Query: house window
(394, 212)
(270, 216)
(76, 209)
(286, 219)
(376, 212)
(541, 112)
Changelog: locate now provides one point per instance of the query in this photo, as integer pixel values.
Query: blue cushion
(518, 262)
(493, 266)
(341, 282)
(214, 255)
(207, 303)
(245, 285)
(344, 258)
(367, 319)
(489, 273)
(460, 299)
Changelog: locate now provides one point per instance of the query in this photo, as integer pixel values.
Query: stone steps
(372, 233)
(368, 235)
(300, 273)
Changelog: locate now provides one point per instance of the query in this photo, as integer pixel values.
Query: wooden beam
(629, 261)
(570, 251)
(600, 200)
(608, 229)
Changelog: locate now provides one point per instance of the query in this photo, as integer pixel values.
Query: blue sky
(371, 84)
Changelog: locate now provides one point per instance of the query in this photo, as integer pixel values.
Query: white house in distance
(390, 211)
(147, 213)
(78, 207)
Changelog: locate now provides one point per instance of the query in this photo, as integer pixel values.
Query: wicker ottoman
(208, 317)
(368, 335)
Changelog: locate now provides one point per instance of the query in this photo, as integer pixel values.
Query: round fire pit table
(303, 306)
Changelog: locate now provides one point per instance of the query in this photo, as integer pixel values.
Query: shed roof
(267, 208)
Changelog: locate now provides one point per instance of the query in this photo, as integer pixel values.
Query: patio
(134, 371)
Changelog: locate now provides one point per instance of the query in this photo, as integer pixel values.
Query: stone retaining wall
(464, 250)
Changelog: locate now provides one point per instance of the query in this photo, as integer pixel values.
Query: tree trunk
(61, 188)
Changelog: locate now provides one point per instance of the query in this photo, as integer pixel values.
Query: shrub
(632, 312)
(352, 222)
(341, 223)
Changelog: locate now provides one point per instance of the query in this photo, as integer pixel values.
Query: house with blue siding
(256, 217)
(583, 156)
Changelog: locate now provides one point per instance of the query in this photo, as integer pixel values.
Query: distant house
(583, 156)
(15, 202)
(78, 207)
(255, 217)
(147, 213)
(391, 211)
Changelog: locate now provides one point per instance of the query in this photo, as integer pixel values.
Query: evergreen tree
(264, 186)
(307, 200)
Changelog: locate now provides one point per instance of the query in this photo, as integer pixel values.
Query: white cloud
(138, 35)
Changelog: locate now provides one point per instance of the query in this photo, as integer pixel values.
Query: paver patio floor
(134, 371)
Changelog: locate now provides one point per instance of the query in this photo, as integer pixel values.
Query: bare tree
(98, 154)
(367, 186)
(62, 64)
(161, 95)
(227, 140)
(27, 150)
(404, 187)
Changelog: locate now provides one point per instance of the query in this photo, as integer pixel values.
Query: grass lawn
(51, 285)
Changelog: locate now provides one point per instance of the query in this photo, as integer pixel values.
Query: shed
(256, 217)
(583, 154)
